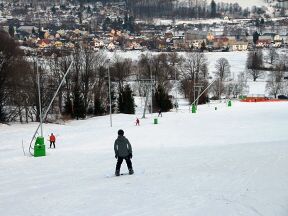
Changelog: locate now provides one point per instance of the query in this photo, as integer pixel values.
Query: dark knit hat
(120, 132)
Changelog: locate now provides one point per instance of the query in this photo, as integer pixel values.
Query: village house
(278, 41)
(134, 43)
(70, 45)
(195, 38)
(58, 44)
(239, 46)
(98, 43)
(179, 43)
(220, 42)
(111, 47)
(43, 43)
(160, 43)
(210, 38)
(261, 43)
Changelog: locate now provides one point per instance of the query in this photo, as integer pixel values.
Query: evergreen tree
(80, 17)
(213, 9)
(11, 31)
(203, 46)
(41, 34)
(106, 24)
(68, 109)
(2, 113)
(53, 9)
(126, 22)
(161, 100)
(78, 105)
(131, 24)
(255, 37)
(257, 22)
(126, 101)
(98, 108)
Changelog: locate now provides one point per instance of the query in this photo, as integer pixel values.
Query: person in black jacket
(159, 113)
(123, 150)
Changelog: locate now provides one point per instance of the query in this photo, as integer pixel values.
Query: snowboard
(121, 174)
(140, 172)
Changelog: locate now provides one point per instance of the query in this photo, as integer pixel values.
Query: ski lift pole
(110, 100)
(39, 97)
(151, 91)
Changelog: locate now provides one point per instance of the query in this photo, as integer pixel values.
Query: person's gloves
(130, 155)
(116, 156)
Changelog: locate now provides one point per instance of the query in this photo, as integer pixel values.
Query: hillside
(231, 161)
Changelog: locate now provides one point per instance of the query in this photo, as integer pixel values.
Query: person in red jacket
(52, 140)
(137, 122)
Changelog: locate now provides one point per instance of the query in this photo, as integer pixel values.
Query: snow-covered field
(245, 3)
(230, 161)
(242, 3)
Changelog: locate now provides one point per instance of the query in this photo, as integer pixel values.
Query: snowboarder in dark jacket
(123, 150)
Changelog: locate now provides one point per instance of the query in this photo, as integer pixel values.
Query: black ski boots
(131, 172)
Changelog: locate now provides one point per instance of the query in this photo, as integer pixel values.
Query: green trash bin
(155, 120)
(194, 108)
(39, 147)
(229, 103)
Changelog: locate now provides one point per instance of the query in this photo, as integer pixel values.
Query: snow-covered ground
(245, 3)
(242, 3)
(229, 161)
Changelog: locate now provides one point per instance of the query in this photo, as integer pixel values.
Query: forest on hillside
(179, 9)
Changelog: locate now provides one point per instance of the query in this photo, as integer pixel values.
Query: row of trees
(185, 9)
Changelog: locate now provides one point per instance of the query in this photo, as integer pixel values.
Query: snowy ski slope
(232, 161)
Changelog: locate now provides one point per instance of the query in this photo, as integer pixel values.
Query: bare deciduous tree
(222, 69)
(120, 70)
(194, 73)
(274, 84)
(272, 55)
(254, 64)
(222, 73)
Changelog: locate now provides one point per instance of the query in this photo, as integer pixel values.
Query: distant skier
(159, 113)
(137, 122)
(176, 105)
(52, 140)
(123, 150)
